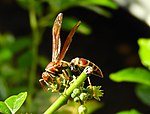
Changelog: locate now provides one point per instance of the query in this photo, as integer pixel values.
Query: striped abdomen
(79, 64)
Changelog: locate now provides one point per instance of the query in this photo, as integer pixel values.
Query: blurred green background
(107, 36)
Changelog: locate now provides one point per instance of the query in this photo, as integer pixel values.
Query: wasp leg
(65, 74)
(89, 82)
(58, 85)
(89, 70)
(66, 79)
(41, 80)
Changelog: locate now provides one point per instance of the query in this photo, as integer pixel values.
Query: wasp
(55, 74)
(78, 64)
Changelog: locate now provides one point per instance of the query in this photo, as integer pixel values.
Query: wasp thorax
(52, 68)
(50, 65)
(64, 64)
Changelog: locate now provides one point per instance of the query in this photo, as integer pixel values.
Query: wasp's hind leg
(89, 81)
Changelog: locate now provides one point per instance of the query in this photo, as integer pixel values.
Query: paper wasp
(55, 72)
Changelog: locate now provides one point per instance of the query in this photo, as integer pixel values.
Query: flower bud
(82, 109)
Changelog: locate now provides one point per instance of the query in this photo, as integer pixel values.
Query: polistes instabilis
(78, 64)
(55, 72)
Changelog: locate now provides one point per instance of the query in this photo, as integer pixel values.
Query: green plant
(19, 57)
(140, 75)
(12, 104)
(82, 93)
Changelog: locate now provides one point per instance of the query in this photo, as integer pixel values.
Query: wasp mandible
(55, 72)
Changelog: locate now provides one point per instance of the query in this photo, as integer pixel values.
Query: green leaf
(138, 75)
(143, 92)
(60, 4)
(6, 39)
(3, 89)
(36, 4)
(14, 102)
(25, 59)
(5, 54)
(144, 51)
(69, 22)
(132, 111)
(98, 10)
(93, 105)
(23, 3)
(20, 44)
(84, 29)
(42, 100)
(43, 61)
(4, 109)
(7, 70)
(106, 3)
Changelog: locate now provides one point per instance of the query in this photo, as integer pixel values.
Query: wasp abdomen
(79, 64)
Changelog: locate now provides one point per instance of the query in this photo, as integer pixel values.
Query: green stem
(64, 97)
(35, 43)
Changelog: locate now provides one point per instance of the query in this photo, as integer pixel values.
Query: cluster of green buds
(75, 89)
(81, 95)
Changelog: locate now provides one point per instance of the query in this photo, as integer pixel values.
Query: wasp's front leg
(55, 87)
(65, 80)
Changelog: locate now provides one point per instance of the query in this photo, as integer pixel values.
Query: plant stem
(35, 43)
(34, 50)
(64, 97)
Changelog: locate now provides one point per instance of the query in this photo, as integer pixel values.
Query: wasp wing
(68, 42)
(56, 45)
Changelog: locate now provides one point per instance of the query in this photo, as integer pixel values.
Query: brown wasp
(55, 72)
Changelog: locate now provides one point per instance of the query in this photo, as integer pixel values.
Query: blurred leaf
(71, 107)
(17, 88)
(98, 10)
(3, 89)
(93, 105)
(7, 70)
(43, 61)
(20, 44)
(57, 6)
(69, 22)
(144, 51)
(70, 3)
(36, 4)
(4, 109)
(106, 3)
(43, 100)
(6, 39)
(14, 102)
(5, 55)
(132, 111)
(25, 59)
(138, 75)
(24, 3)
(143, 92)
